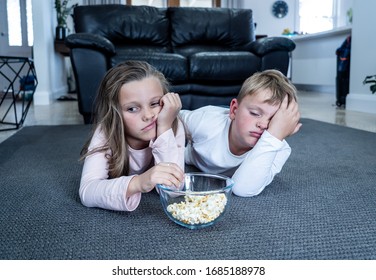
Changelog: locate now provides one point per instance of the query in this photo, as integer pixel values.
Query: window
(29, 20)
(315, 15)
(322, 15)
(14, 23)
(196, 3)
(19, 13)
(154, 3)
(16, 28)
(182, 3)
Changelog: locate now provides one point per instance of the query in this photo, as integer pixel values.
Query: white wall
(49, 65)
(267, 24)
(314, 60)
(363, 57)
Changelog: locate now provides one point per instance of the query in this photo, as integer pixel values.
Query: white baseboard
(365, 103)
(42, 97)
(316, 88)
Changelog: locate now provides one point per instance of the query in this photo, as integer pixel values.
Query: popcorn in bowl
(201, 202)
(198, 209)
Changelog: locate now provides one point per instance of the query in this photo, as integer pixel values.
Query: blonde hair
(108, 116)
(275, 81)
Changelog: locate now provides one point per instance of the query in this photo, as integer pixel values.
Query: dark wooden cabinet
(61, 48)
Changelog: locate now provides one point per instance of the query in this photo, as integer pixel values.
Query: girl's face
(250, 118)
(140, 104)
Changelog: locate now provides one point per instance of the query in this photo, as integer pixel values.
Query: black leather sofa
(205, 53)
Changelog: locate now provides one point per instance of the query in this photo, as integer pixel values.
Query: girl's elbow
(83, 199)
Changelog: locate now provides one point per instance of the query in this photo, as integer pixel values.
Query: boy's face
(250, 118)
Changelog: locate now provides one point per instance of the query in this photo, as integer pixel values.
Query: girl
(137, 140)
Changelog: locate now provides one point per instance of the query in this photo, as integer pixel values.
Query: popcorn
(198, 209)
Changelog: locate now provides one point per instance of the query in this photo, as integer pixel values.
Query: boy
(247, 141)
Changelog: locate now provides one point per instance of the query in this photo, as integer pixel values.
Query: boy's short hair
(274, 80)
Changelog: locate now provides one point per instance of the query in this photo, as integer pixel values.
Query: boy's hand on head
(285, 121)
(171, 105)
(169, 174)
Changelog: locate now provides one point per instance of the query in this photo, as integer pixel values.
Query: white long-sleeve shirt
(209, 151)
(97, 190)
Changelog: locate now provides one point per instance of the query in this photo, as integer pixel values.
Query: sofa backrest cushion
(210, 29)
(125, 25)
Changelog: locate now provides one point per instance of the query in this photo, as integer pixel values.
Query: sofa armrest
(90, 41)
(266, 45)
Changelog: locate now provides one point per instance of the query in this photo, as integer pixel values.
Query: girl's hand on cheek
(169, 174)
(285, 122)
(171, 105)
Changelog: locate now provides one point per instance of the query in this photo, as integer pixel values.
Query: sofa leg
(87, 118)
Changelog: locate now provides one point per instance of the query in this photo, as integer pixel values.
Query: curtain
(230, 4)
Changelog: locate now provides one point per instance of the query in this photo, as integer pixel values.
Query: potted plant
(62, 12)
(371, 80)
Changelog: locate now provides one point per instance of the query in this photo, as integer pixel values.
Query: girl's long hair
(108, 115)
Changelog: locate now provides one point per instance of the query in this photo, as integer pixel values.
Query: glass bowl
(201, 201)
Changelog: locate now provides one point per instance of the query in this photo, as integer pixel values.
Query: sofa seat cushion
(173, 66)
(223, 66)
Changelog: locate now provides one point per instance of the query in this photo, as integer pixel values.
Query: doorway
(16, 35)
(16, 28)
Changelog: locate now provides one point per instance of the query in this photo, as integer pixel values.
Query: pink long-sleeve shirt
(97, 190)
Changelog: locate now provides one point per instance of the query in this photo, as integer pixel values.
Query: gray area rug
(321, 206)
